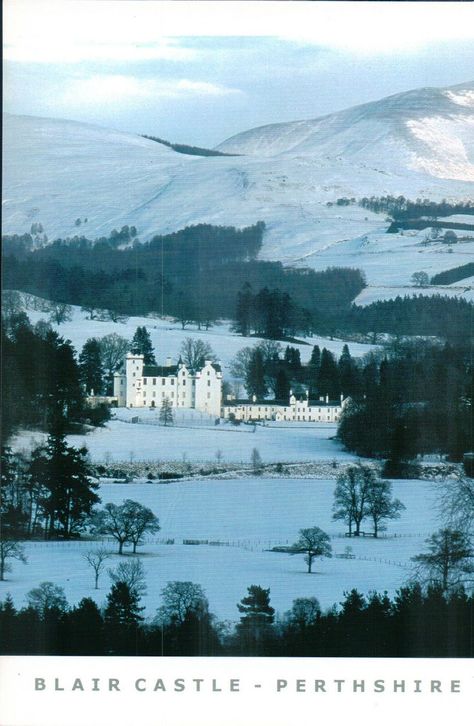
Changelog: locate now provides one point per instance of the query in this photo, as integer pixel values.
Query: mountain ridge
(56, 172)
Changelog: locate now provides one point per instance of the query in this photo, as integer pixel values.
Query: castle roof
(159, 371)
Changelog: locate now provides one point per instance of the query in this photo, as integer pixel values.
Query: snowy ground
(373, 293)
(121, 441)
(250, 516)
(389, 260)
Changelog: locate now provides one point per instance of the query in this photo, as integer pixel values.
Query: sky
(199, 72)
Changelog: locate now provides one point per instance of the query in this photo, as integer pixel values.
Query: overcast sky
(200, 72)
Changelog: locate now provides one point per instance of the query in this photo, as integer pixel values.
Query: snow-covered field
(372, 294)
(250, 516)
(120, 441)
(389, 260)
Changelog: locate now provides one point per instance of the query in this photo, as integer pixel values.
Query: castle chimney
(169, 362)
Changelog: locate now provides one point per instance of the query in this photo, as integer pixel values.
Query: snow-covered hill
(429, 130)
(419, 144)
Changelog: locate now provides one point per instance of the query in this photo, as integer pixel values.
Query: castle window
(184, 381)
(209, 383)
(163, 381)
(208, 395)
(144, 381)
(172, 381)
(154, 381)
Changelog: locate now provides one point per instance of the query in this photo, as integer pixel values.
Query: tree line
(401, 208)
(455, 274)
(444, 317)
(414, 398)
(268, 368)
(416, 622)
(187, 149)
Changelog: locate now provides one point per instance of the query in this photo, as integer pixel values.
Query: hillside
(418, 144)
(428, 130)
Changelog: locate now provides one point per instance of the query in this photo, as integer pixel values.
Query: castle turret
(134, 374)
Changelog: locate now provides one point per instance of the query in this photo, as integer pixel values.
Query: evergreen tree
(141, 345)
(244, 310)
(68, 492)
(122, 618)
(282, 386)
(90, 367)
(348, 373)
(86, 627)
(292, 358)
(315, 359)
(166, 413)
(255, 607)
(255, 375)
(122, 606)
(328, 376)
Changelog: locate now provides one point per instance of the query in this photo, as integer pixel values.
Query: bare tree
(59, 312)
(240, 363)
(457, 504)
(96, 559)
(91, 310)
(113, 349)
(194, 352)
(132, 574)
(113, 520)
(10, 550)
(12, 303)
(420, 279)
(313, 542)
(47, 596)
(181, 599)
(448, 560)
(271, 350)
(380, 504)
(143, 521)
(304, 612)
(126, 522)
(350, 496)
(114, 316)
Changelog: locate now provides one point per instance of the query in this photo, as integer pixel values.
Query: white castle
(320, 410)
(139, 385)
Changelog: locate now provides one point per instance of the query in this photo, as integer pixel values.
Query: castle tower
(134, 377)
